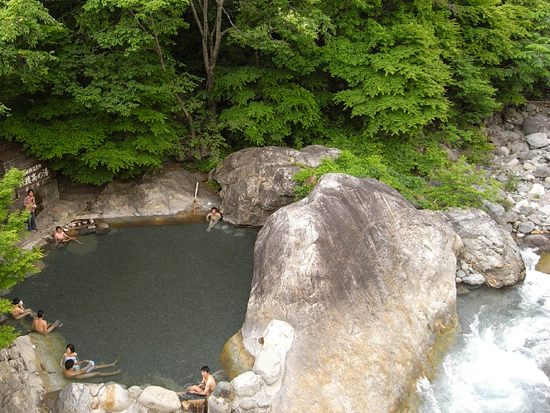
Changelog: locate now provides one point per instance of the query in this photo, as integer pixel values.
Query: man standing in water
(196, 395)
(41, 326)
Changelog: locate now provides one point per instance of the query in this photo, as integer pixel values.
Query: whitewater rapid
(500, 361)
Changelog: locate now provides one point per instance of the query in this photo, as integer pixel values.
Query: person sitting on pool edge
(19, 311)
(84, 373)
(43, 327)
(60, 236)
(196, 395)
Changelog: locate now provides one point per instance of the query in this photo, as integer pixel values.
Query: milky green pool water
(163, 300)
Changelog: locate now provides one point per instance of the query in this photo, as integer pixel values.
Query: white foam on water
(500, 366)
(426, 392)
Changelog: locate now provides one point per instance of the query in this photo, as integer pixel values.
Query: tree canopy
(111, 88)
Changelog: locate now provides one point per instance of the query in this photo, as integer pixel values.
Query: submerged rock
(366, 281)
(102, 228)
(257, 181)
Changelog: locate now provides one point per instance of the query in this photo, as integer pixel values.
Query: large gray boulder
(159, 399)
(257, 181)
(538, 241)
(75, 398)
(537, 140)
(535, 124)
(168, 192)
(488, 247)
(21, 389)
(114, 398)
(368, 284)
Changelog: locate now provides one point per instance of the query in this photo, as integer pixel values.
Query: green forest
(107, 89)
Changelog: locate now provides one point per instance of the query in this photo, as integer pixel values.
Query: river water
(500, 361)
(163, 300)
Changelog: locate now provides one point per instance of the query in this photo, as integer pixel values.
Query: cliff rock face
(166, 193)
(257, 181)
(488, 247)
(366, 281)
(21, 389)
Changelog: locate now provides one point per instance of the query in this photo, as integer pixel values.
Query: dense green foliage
(14, 262)
(111, 88)
(450, 184)
(7, 333)
(25, 57)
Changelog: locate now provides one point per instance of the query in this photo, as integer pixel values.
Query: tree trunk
(211, 42)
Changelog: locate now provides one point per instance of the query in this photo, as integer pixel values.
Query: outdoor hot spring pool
(163, 300)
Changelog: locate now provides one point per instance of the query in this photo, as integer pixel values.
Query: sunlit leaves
(396, 78)
(14, 261)
(269, 106)
(289, 32)
(25, 27)
(114, 114)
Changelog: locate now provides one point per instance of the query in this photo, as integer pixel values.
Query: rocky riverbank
(521, 163)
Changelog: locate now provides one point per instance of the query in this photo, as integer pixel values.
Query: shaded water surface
(163, 300)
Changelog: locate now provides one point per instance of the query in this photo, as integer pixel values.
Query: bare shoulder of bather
(70, 373)
(210, 385)
(40, 325)
(17, 310)
(61, 236)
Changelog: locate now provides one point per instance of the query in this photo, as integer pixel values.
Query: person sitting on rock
(85, 372)
(19, 311)
(196, 395)
(60, 236)
(43, 327)
(214, 216)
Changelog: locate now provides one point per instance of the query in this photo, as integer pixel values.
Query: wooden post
(195, 198)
